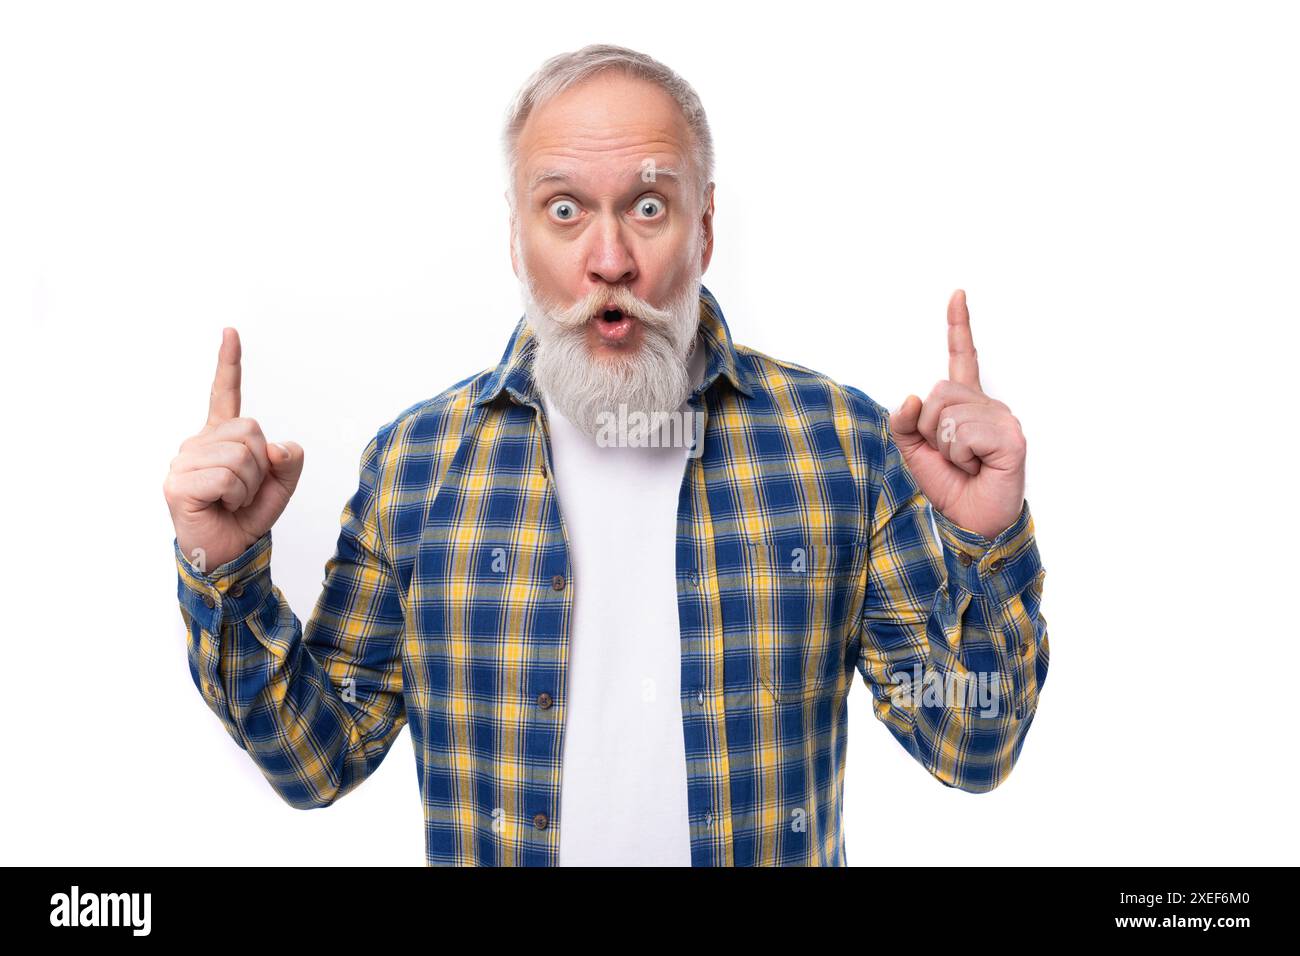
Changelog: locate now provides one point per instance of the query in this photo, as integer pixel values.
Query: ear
(514, 223)
(706, 224)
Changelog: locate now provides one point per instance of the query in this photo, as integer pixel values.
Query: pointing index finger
(963, 362)
(223, 404)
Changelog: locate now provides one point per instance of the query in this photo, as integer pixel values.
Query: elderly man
(619, 583)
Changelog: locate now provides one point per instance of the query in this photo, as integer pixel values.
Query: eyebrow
(562, 175)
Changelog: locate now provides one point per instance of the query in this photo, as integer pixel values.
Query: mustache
(621, 298)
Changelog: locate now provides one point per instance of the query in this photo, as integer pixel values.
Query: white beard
(653, 380)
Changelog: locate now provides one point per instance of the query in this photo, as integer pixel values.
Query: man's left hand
(965, 450)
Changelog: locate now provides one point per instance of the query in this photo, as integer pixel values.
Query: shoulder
(424, 427)
(794, 396)
(799, 391)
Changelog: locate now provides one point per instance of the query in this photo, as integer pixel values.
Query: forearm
(275, 698)
(961, 700)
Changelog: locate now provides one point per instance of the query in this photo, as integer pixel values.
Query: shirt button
(557, 583)
(996, 564)
(1024, 648)
(963, 559)
(541, 468)
(708, 819)
(539, 821)
(207, 599)
(544, 700)
(694, 578)
(699, 697)
(236, 590)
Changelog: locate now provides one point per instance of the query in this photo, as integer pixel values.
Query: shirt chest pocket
(801, 596)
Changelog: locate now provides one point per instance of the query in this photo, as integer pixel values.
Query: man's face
(609, 240)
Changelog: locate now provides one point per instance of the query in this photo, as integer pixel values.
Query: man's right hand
(228, 486)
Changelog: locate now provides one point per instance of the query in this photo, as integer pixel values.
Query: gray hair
(564, 70)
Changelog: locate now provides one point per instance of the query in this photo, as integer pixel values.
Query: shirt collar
(514, 374)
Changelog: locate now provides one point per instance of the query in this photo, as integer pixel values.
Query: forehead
(602, 129)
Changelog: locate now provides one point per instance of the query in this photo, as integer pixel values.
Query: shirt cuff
(999, 568)
(229, 592)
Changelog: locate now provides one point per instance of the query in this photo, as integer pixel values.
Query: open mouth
(613, 325)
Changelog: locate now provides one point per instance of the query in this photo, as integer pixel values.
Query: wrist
(988, 529)
(997, 567)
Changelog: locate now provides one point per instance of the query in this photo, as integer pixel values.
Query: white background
(1113, 184)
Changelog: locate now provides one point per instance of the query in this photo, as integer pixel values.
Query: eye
(650, 206)
(565, 210)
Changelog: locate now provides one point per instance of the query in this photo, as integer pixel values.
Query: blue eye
(650, 206)
(564, 209)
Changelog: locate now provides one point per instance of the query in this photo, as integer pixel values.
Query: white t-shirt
(623, 776)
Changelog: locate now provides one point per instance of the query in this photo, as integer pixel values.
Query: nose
(609, 259)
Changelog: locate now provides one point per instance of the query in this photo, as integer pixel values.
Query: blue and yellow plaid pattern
(804, 551)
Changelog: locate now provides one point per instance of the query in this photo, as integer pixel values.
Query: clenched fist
(227, 486)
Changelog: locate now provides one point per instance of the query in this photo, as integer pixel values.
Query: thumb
(287, 459)
(904, 419)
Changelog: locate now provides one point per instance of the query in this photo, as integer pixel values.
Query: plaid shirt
(804, 551)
